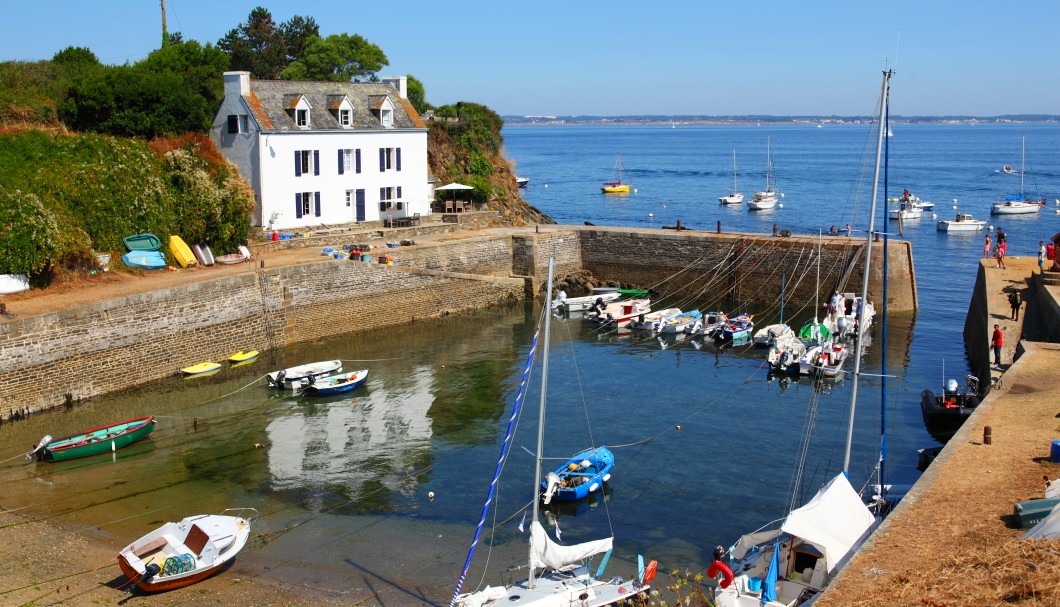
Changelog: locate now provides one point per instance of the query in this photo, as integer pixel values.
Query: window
(344, 118)
(306, 203)
(237, 123)
(301, 118)
(306, 161)
(349, 197)
(345, 161)
(387, 118)
(389, 159)
(306, 200)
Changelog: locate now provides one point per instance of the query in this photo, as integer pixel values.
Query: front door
(360, 205)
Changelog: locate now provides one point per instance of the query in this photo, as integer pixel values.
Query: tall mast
(541, 413)
(859, 344)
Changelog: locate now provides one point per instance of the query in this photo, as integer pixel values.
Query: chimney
(237, 84)
(400, 83)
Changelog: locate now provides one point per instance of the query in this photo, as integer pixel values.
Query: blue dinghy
(147, 260)
(583, 474)
(337, 384)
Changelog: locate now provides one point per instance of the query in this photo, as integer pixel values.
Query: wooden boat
(179, 554)
(621, 313)
(201, 368)
(13, 283)
(336, 384)
(296, 377)
(616, 185)
(145, 260)
(678, 322)
(143, 242)
(944, 413)
(181, 252)
(738, 328)
(243, 356)
(103, 439)
(649, 319)
(582, 474)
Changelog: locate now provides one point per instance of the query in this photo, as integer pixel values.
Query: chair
(450, 206)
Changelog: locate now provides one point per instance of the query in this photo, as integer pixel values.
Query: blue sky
(620, 57)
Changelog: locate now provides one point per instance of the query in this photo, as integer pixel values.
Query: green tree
(296, 33)
(257, 46)
(417, 94)
(75, 55)
(338, 58)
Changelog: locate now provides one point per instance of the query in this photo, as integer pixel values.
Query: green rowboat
(95, 441)
(143, 242)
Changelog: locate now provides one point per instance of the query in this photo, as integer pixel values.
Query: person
(996, 341)
(1001, 236)
(986, 247)
(1041, 256)
(1014, 300)
(833, 229)
(999, 254)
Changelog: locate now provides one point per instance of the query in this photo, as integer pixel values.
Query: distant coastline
(535, 120)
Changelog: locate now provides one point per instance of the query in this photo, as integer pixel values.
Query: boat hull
(615, 189)
(13, 283)
(943, 415)
(583, 480)
(1016, 208)
(181, 251)
(337, 384)
(731, 199)
(296, 377)
(145, 260)
(143, 242)
(96, 441)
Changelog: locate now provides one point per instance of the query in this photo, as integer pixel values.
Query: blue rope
(505, 447)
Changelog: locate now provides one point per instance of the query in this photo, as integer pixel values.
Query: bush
(28, 233)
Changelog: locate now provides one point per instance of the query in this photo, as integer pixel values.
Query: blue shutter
(298, 164)
(317, 196)
(316, 162)
(298, 205)
(342, 165)
(399, 192)
(382, 159)
(398, 159)
(357, 154)
(382, 193)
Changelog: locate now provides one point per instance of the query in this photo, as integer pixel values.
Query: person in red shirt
(996, 341)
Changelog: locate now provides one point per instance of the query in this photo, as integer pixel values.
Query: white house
(325, 152)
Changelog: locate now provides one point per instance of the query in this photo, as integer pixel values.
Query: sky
(588, 57)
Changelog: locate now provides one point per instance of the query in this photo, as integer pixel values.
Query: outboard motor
(280, 377)
(40, 445)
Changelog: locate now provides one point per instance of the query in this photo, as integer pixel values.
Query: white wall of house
(288, 191)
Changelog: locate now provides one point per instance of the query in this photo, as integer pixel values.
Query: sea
(375, 496)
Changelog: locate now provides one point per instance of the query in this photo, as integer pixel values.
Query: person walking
(986, 247)
(1014, 300)
(996, 341)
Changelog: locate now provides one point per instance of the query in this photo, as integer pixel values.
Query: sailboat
(793, 564)
(1017, 205)
(560, 576)
(616, 183)
(735, 197)
(767, 198)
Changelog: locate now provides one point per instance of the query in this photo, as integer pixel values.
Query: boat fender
(650, 571)
(718, 567)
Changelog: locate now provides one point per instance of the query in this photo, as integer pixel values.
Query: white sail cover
(833, 521)
(544, 553)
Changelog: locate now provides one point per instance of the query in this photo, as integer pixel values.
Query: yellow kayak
(200, 368)
(243, 356)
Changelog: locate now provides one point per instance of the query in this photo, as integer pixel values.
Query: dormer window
(386, 117)
(302, 118)
(344, 118)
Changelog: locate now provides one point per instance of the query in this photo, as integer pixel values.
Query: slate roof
(270, 100)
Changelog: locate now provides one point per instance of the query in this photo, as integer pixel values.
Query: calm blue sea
(704, 441)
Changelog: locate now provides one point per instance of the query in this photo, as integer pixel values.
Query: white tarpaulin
(544, 553)
(833, 521)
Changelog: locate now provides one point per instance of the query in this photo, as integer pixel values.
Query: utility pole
(165, 32)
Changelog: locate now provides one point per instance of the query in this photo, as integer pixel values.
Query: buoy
(546, 185)
(677, 427)
(781, 205)
(934, 216)
(634, 190)
(430, 495)
(955, 207)
(651, 215)
(664, 206)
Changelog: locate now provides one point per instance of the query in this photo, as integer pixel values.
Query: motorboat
(963, 223)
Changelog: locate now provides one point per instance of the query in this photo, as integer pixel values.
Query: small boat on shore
(103, 439)
(179, 554)
(336, 384)
(143, 242)
(296, 377)
(145, 260)
(13, 283)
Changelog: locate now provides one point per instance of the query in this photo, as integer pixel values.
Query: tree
(338, 58)
(296, 33)
(417, 94)
(75, 55)
(257, 46)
